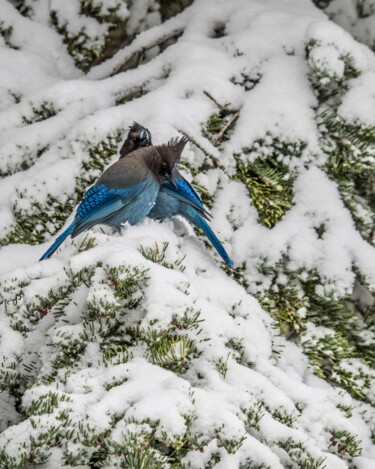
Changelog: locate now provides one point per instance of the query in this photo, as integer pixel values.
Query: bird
(138, 137)
(175, 197)
(126, 191)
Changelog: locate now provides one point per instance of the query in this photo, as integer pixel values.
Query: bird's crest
(172, 150)
(135, 127)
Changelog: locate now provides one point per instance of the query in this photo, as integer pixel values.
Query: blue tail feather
(199, 221)
(58, 241)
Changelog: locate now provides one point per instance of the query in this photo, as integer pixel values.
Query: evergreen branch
(230, 122)
(135, 51)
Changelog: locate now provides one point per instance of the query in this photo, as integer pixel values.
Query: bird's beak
(169, 178)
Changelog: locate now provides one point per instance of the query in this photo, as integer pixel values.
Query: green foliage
(9, 375)
(188, 321)
(219, 125)
(300, 456)
(350, 147)
(328, 355)
(269, 184)
(44, 111)
(46, 403)
(222, 365)
(24, 314)
(231, 445)
(282, 416)
(287, 306)
(99, 156)
(326, 81)
(171, 352)
(347, 410)
(99, 318)
(166, 347)
(32, 225)
(84, 48)
(348, 322)
(254, 414)
(344, 444)
(104, 321)
(343, 355)
(159, 256)
(238, 349)
(33, 229)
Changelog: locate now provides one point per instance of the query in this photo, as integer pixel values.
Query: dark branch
(134, 55)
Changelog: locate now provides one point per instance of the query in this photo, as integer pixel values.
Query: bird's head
(169, 156)
(138, 137)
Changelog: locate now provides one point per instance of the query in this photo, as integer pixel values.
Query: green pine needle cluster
(84, 49)
(46, 218)
(344, 444)
(44, 111)
(350, 147)
(220, 124)
(98, 312)
(269, 184)
(298, 456)
(111, 318)
(158, 255)
(343, 354)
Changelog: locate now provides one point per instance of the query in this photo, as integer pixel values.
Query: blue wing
(187, 189)
(100, 204)
(185, 192)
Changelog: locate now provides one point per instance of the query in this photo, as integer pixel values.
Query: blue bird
(126, 191)
(177, 197)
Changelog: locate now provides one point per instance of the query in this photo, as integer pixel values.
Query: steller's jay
(126, 191)
(138, 137)
(179, 198)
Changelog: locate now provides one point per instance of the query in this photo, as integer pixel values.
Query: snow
(222, 385)
(359, 103)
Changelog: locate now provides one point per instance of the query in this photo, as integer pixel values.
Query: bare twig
(222, 107)
(233, 118)
(209, 95)
(212, 157)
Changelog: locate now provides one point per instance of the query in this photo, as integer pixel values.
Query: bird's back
(128, 171)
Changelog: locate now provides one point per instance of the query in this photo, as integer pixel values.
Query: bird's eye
(164, 165)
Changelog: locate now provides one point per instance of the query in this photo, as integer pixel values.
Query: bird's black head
(138, 137)
(169, 156)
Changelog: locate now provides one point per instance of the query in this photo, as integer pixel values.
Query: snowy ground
(125, 350)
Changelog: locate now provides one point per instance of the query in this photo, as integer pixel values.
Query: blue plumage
(58, 241)
(180, 199)
(125, 192)
(167, 205)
